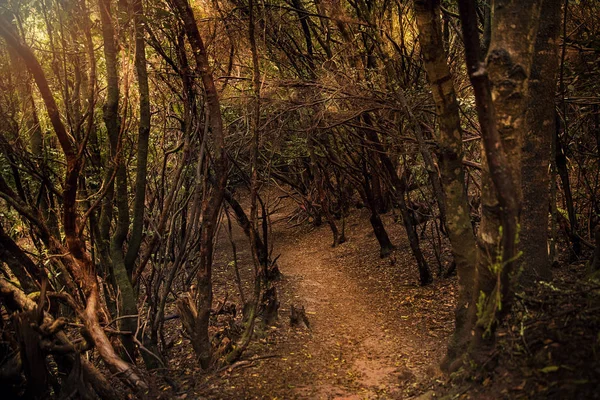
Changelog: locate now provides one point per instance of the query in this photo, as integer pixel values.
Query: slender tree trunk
(246, 226)
(595, 266)
(36, 139)
(254, 186)
(321, 197)
(460, 229)
(338, 238)
(385, 244)
(563, 171)
(552, 254)
(540, 122)
(399, 190)
(143, 138)
(128, 303)
(74, 256)
(139, 204)
(211, 206)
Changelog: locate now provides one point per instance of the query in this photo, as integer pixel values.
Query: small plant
(489, 305)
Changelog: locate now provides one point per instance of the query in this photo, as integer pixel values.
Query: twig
(246, 362)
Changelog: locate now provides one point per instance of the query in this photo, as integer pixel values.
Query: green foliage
(296, 147)
(489, 305)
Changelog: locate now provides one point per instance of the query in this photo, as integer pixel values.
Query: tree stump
(298, 317)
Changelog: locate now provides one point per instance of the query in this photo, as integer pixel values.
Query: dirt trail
(374, 333)
(363, 355)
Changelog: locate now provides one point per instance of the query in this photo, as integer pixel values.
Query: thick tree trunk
(501, 94)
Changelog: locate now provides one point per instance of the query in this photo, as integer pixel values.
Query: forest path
(360, 353)
(374, 333)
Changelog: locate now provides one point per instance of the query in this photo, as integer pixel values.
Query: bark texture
(128, 303)
(460, 230)
(540, 126)
(501, 86)
(139, 204)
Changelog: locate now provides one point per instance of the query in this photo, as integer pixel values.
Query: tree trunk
(128, 303)
(563, 171)
(246, 226)
(212, 206)
(250, 319)
(595, 266)
(501, 94)
(139, 204)
(540, 122)
(460, 229)
(399, 190)
(385, 244)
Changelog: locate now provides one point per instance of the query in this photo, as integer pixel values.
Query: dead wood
(269, 306)
(19, 301)
(298, 317)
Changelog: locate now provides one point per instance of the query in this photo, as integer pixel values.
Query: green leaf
(550, 368)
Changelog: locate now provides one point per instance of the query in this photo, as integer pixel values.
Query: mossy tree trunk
(449, 138)
(501, 86)
(143, 138)
(127, 300)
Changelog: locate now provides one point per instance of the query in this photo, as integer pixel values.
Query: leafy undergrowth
(548, 348)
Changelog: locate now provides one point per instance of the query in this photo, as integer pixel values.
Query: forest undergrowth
(375, 333)
(547, 349)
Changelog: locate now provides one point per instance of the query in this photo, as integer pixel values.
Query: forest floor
(374, 332)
